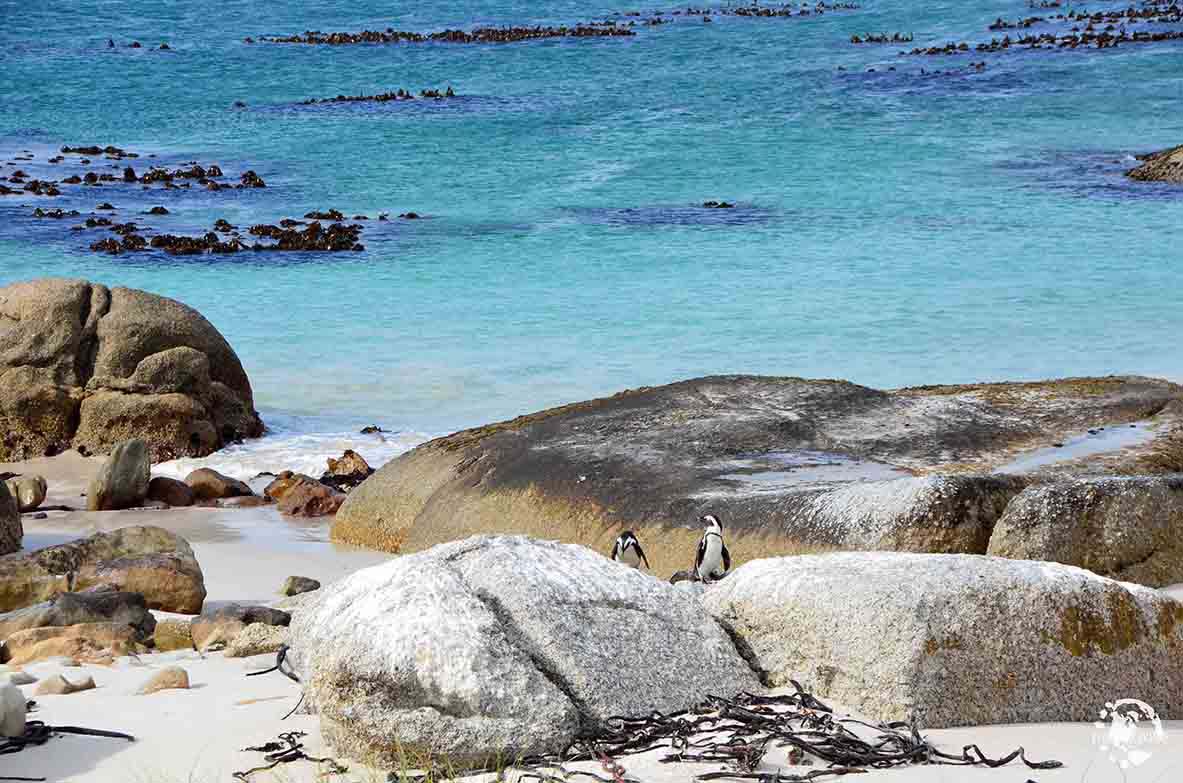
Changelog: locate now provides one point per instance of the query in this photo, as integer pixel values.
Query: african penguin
(713, 560)
(627, 550)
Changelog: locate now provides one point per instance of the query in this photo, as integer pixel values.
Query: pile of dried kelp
(739, 732)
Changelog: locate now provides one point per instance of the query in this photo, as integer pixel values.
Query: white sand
(196, 736)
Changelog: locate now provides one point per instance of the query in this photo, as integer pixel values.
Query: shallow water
(890, 227)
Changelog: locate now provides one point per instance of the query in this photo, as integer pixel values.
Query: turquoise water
(891, 227)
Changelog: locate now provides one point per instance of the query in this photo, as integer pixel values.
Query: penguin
(713, 560)
(627, 550)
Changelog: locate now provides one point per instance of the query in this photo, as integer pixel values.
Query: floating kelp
(477, 36)
(393, 95)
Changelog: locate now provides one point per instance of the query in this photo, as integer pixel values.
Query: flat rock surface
(752, 450)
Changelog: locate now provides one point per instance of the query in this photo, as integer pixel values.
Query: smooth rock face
(755, 451)
(150, 561)
(947, 514)
(91, 642)
(11, 529)
(122, 482)
(90, 607)
(170, 491)
(1128, 528)
(12, 710)
(29, 491)
(58, 685)
(495, 647)
(295, 585)
(87, 367)
(1162, 166)
(222, 625)
(170, 678)
(209, 484)
(955, 640)
(257, 639)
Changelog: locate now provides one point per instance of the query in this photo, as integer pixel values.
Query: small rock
(209, 484)
(170, 491)
(158, 211)
(57, 685)
(171, 678)
(85, 642)
(294, 585)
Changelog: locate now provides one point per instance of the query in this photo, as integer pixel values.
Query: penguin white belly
(712, 557)
(630, 557)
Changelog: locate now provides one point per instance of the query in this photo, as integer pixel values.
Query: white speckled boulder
(497, 647)
(955, 640)
(1124, 527)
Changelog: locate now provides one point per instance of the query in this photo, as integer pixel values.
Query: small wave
(297, 444)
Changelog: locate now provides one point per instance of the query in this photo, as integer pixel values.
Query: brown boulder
(303, 496)
(86, 366)
(122, 482)
(172, 635)
(86, 642)
(170, 491)
(222, 626)
(29, 491)
(95, 606)
(209, 484)
(148, 560)
(346, 472)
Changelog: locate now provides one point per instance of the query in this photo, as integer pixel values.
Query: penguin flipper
(615, 550)
(726, 559)
(644, 559)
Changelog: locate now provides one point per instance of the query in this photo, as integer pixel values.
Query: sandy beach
(198, 735)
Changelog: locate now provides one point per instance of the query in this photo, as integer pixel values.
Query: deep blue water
(891, 227)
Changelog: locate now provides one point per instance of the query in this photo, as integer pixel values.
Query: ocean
(897, 219)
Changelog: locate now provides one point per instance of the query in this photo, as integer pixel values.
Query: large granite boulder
(150, 561)
(493, 647)
(86, 643)
(86, 366)
(1162, 166)
(755, 451)
(95, 606)
(11, 529)
(122, 481)
(955, 640)
(1128, 527)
